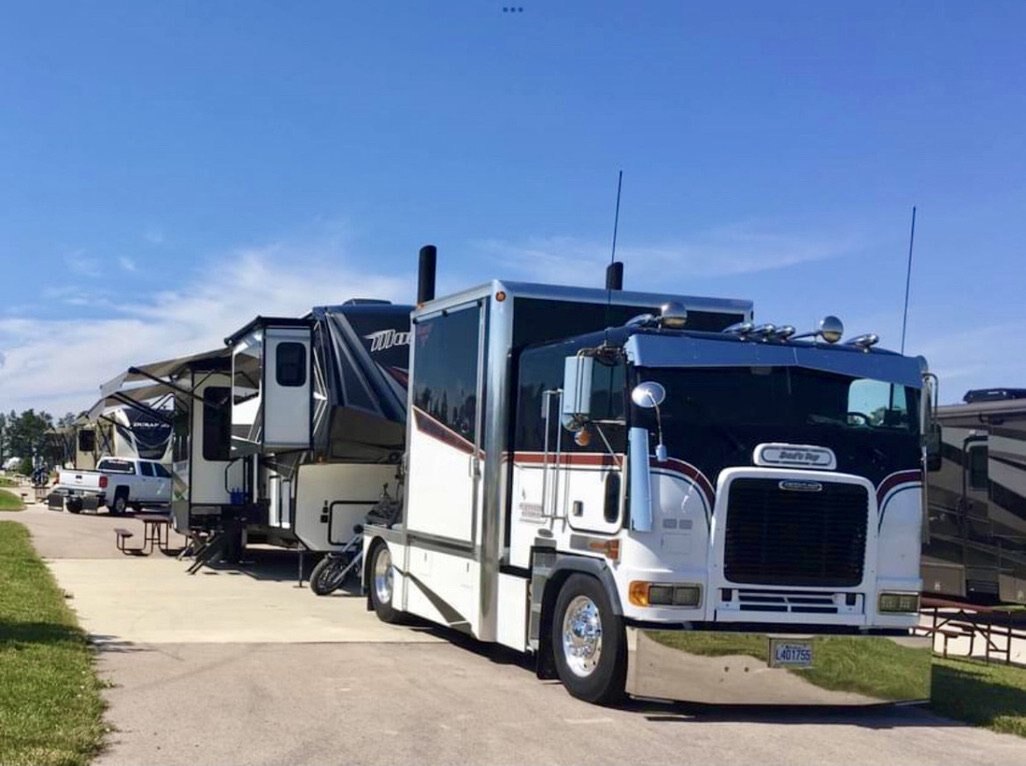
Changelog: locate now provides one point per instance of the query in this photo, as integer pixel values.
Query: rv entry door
(445, 455)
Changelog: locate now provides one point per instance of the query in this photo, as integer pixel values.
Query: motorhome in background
(976, 535)
(318, 414)
(633, 487)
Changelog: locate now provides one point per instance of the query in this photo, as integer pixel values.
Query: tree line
(31, 434)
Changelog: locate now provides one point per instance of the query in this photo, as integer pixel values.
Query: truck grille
(777, 536)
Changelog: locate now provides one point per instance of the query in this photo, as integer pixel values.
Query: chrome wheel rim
(383, 576)
(582, 636)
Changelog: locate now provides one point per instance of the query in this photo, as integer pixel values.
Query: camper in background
(976, 535)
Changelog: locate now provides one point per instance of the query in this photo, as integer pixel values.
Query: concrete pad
(264, 705)
(63, 535)
(153, 600)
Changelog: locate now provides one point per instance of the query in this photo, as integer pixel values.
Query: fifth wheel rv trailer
(318, 413)
(976, 542)
(198, 387)
(289, 433)
(683, 505)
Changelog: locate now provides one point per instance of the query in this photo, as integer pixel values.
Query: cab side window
(541, 370)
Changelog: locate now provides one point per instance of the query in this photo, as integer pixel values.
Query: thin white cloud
(727, 251)
(58, 365)
(968, 358)
(83, 265)
(126, 263)
(154, 235)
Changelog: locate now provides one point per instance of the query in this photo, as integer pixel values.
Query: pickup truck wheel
(74, 505)
(120, 502)
(588, 642)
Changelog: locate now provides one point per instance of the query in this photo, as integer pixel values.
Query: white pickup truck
(119, 483)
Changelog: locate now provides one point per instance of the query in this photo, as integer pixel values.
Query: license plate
(790, 654)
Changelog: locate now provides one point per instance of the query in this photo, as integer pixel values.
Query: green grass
(10, 501)
(992, 695)
(986, 695)
(6, 482)
(50, 704)
(840, 661)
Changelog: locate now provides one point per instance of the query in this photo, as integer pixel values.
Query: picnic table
(156, 528)
(958, 619)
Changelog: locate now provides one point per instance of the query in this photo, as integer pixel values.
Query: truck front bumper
(777, 669)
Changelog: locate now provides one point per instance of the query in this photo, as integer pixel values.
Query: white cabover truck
(682, 506)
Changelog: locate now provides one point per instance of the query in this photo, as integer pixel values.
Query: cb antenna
(616, 217)
(614, 272)
(908, 278)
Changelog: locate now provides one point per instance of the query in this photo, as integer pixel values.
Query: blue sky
(168, 171)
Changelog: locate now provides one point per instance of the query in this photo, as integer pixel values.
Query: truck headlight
(643, 593)
(907, 603)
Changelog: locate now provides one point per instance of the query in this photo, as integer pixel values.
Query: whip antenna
(616, 217)
(908, 273)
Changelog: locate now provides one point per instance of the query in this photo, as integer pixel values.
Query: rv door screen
(247, 372)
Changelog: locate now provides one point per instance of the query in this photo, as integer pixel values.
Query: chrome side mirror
(648, 395)
(577, 376)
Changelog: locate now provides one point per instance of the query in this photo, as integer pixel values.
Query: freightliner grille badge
(793, 485)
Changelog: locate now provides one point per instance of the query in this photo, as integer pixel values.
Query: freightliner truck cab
(671, 507)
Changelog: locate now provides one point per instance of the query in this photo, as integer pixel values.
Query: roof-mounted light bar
(831, 329)
(741, 329)
(865, 342)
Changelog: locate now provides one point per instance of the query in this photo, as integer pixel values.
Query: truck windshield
(715, 417)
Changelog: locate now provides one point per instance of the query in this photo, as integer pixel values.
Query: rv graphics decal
(382, 340)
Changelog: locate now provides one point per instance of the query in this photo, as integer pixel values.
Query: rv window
(112, 465)
(180, 435)
(290, 364)
(445, 370)
(978, 477)
(86, 440)
(146, 469)
(161, 471)
(217, 423)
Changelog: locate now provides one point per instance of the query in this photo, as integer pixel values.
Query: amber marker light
(500, 296)
(609, 548)
(637, 592)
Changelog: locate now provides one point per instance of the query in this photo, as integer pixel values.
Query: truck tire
(73, 504)
(119, 504)
(382, 588)
(589, 644)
